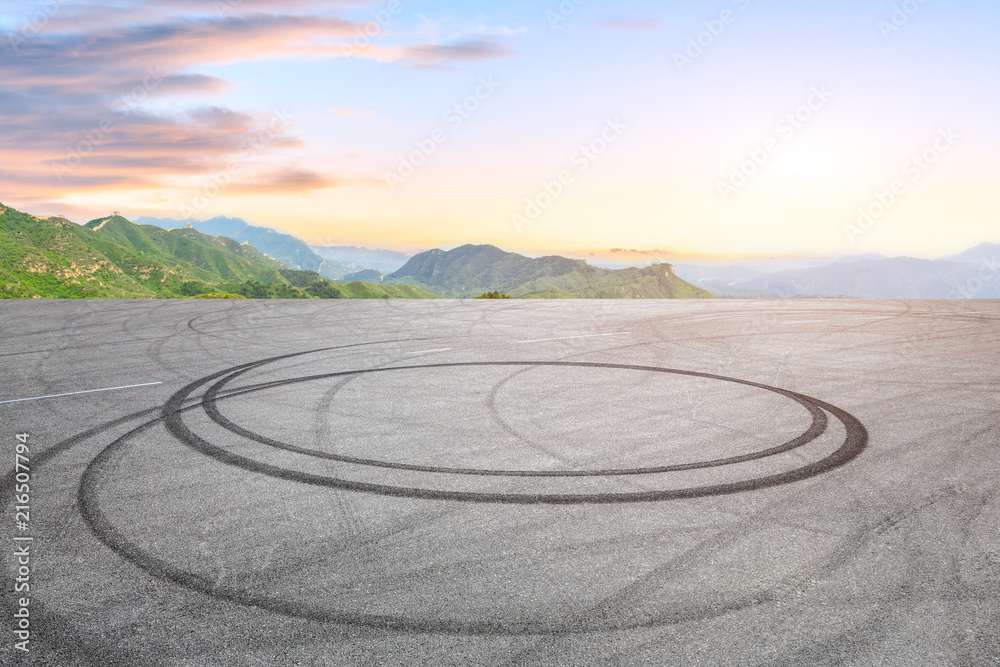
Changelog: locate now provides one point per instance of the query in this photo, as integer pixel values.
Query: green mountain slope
(291, 250)
(114, 258)
(471, 270)
(319, 286)
(54, 257)
(171, 257)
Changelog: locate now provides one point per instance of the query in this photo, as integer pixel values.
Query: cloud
(122, 147)
(76, 93)
(641, 253)
(345, 112)
(15, 181)
(102, 58)
(294, 180)
(500, 31)
(191, 84)
(286, 181)
(66, 16)
(108, 57)
(472, 50)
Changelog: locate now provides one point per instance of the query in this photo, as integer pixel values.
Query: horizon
(599, 258)
(739, 132)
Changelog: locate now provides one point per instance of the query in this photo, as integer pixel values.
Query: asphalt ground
(509, 482)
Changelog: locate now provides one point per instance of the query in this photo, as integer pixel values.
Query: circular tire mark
(816, 428)
(854, 443)
(104, 530)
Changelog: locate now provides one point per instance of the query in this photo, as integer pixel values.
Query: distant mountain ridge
(896, 278)
(471, 270)
(289, 249)
(973, 274)
(368, 275)
(111, 257)
(383, 261)
(984, 253)
(114, 257)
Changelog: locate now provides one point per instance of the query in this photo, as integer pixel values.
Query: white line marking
(543, 340)
(443, 349)
(805, 322)
(74, 393)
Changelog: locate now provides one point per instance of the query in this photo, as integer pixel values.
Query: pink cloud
(73, 109)
(286, 181)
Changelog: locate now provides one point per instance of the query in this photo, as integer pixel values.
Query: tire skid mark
(181, 402)
(815, 408)
(491, 403)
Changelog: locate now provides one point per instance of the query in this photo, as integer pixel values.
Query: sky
(635, 129)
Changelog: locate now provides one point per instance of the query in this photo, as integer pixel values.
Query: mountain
(471, 270)
(368, 275)
(974, 273)
(385, 261)
(895, 278)
(291, 250)
(716, 276)
(112, 257)
(858, 258)
(316, 285)
(984, 253)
